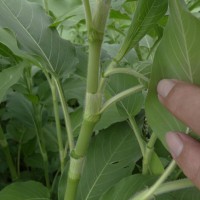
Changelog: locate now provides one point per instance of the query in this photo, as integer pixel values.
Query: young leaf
(31, 26)
(9, 77)
(111, 157)
(177, 58)
(145, 17)
(25, 191)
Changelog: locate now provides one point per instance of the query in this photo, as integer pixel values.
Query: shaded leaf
(129, 186)
(111, 157)
(25, 191)
(9, 77)
(190, 193)
(21, 109)
(176, 58)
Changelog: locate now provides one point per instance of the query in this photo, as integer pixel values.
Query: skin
(183, 101)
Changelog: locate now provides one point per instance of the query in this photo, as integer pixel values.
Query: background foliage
(39, 44)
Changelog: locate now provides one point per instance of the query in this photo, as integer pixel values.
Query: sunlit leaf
(176, 58)
(111, 157)
(31, 26)
(145, 17)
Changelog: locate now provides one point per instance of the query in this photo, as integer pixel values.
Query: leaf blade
(181, 61)
(25, 19)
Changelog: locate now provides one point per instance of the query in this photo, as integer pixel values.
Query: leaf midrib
(41, 50)
(184, 39)
(101, 172)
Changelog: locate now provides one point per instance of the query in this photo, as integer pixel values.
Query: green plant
(80, 117)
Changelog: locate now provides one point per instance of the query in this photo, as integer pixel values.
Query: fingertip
(175, 144)
(164, 87)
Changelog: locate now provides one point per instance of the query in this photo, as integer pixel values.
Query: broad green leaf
(145, 17)
(9, 40)
(110, 116)
(186, 194)
(9, 77)
(21, 109)
(18, 132)
(131, 105)
(25, 191)
(7, 58)
(111, 157)
(31, 26)
(75, 88)
(177, 58)
(129, 186)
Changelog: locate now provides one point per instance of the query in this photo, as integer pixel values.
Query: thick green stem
(58, 126)
(91, 117)
(147, 194)
(93, 97)
(66, 114)
(6, 150)
(93, 67)
(136, 130)
(120, 96)
(148, 153)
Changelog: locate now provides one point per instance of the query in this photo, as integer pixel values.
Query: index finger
(182, 100)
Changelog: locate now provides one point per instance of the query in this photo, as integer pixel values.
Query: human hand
(183, 101)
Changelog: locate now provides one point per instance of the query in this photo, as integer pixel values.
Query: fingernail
(164, 87)
(174, 143)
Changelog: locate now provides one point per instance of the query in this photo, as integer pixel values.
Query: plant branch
(6, 149)
(145, 195)
(136, 130)
(66, 114)
(46, 6)
(120, 96)
(88, 14)
(148, 153)
(173, 186)
(58, 126)
(126, 71)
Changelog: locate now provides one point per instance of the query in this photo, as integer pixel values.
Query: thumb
(185, 150)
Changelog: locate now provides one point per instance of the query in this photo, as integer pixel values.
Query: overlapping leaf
(177, 57)
(146, 16)
(31, 26)
(110, 158)
(8, 77)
